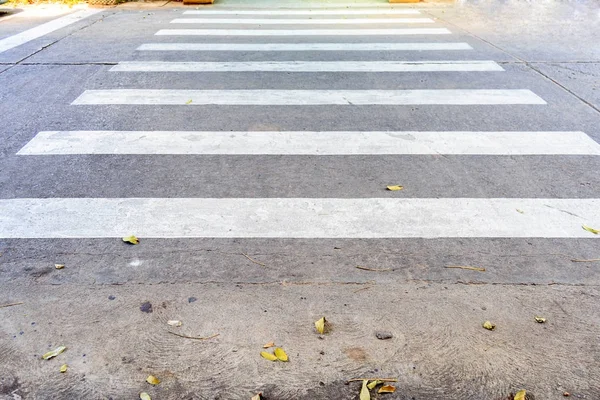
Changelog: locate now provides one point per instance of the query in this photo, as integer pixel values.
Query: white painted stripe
(310, 143)
(302, 32)
(345, 11)
(304, 21)
(41, 30)
(303, 46)
(297, 218)
(308, 66)
(308, 97)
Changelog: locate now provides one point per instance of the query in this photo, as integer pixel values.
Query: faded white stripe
(308, 66)
(302, 32)
(308, 97)
(297, 218)
(310, 143)
(303, 46)
(345, 11)
(44, 29)
(303, 21)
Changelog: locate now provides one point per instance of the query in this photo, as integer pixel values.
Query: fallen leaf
(520, 395)
(268, 356)
(63, 368)
(54, 353)
(374, 383)
(393, 188)
(364, 391)
(466, 267)
(174, 322)
(520, 211)
(270, 344)
(131, 239)
(387, 389)
(589, 229)
(489, 326)
(256, 397)
(280, 354)
(145, 396)
(151, 379)
(59, 266)
(320, 325)
(590, 260)
(373, 269)
(189, 101)
(540, 320)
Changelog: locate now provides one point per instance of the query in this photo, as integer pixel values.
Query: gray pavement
(254, 290)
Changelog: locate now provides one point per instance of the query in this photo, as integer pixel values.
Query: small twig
(464, 267)
(590, 260)
(193, 337)
(254, 261)
(362, 288)
(11, 304)
(374, 379)
(374, 269)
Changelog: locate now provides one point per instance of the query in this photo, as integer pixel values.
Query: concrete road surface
(249, 146)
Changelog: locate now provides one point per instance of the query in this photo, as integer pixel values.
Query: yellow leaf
(589, 229)
(520, 395)
(320, 325)
(541, 320)
(270, 344)
(256, 397)
(364, 391)
(63, 368)
(268, 356)
(151, 379)
(520, 211)
(393, 188)
(189, 101)
(387, 389)
(373, 384)
(131, 239)
(280, 354)
(489, 326)
(54, 352)
(59, 266)
(145, 396)
(174, 322)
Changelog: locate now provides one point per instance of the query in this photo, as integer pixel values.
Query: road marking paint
(297, 218)
(43, 29)
(308, 66)
(303, 46)
(303, 21)
(302, 32)
(308, 97)
(310, 143)
(345, 11)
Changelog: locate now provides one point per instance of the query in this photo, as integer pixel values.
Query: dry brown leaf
(520, 395)
(364, 391)
(320, 325)
(151, 379)
(489, 326)
(374, 383)
(394, 188)
(281, 355)
(589, 260)
(540, 320)
(387, 389)
(590, 229)
(257, 397)
(54, 352)
(59, 266)
(466, 267)
(63, 368)
(174, 322)
(268, 356)
(268, 345)
(145, 396)
(131, 239)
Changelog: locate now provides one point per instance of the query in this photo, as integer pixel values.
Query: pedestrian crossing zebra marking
(309, 218)
(302, 21)
(310, 143)
(303, 32)
(309, 66)
(345, 11)
(303, 46)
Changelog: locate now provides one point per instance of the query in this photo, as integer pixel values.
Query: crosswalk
(297, 33)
